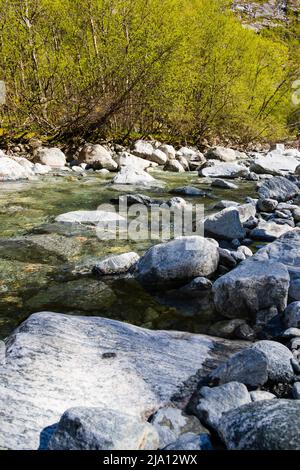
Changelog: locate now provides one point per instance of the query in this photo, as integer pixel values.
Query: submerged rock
(265, 425)
(177, 262)
(219, 183)
(55, 362)
(189, 191)
(117, 264)
(85, 428)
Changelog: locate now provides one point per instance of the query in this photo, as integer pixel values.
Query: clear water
(29, 282)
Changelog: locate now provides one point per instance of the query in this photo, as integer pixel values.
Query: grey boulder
(251, 287)
(292, 315)
(191, 441)
(225, 225)
(117, 264)
(279, 188)
(178, 261)
(224, 170)
(102, 429)
(265, 425)
(265, 361)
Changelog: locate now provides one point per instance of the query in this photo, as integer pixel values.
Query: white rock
(89, 217)
(52, 157)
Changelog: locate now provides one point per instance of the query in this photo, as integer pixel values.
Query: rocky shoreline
(74, 382)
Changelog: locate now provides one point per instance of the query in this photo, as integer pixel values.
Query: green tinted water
(31, 282)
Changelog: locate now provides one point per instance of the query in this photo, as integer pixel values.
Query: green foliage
(90, 68)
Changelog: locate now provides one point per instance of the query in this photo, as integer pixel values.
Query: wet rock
(254, 366)
(259, 285)
(97, 157)
(117, 264)
(89, 217)
(278, 188)
(292, 315)
(219, 183)
(225, 225)
(43, 249)
(54, 362)
(52, 157)
(266, 425)
(188, 191)
(171, 423)
(85, 428)
(213, 402)
(191, 441)
(178, 261)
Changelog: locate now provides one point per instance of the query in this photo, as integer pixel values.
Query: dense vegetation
(119, 68)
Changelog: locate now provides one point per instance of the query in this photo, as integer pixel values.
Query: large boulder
(52, 157)
(97, 156)
(224, 170)
(178, 261)
(102, 429)
(278, 188)
(265, 425)
(168, 150)
(222, 154)
(264, 361)
(55, 362)
(143, 149)
(269, 231)
(285, 250)
(213, 402)
(225, 225)
(274, 164)
(11, 170)
(252, 286)
(131, 175)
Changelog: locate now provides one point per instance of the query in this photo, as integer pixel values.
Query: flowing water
(31, 280)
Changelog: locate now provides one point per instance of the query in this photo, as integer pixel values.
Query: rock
(278, 188)
(274, 164)
(170, 423)
(296, 391)
(225, 225)
(102, 429)
(244, 332)
(269, 231)
(11, 170)
(97, 157)
(40, 169)
(189, 191)
(175, 166)
(178, 261)
(267, 205)
(52, 157)
(117, 264)
(260, 395)
(224, 204)
(89, 217)
(264, 361)
(176, 202)
(54, 362)
(143, 149)
(296, 214)
(246, 212)
(42, 249)
(245, 251)
(291, 333)
(196, 288)
(168, 150)
(297, 171)
(227, 259)
(125, 159)
(265, 425)
(219, 183)
(191, 441)
(213, 402)
(78, 170)
(221, 153)
(81, 296)
(131, 199)
(184, 163)
(292, 315)
(252, 286)
(130, 175)
(224, 170)
(225, 328)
